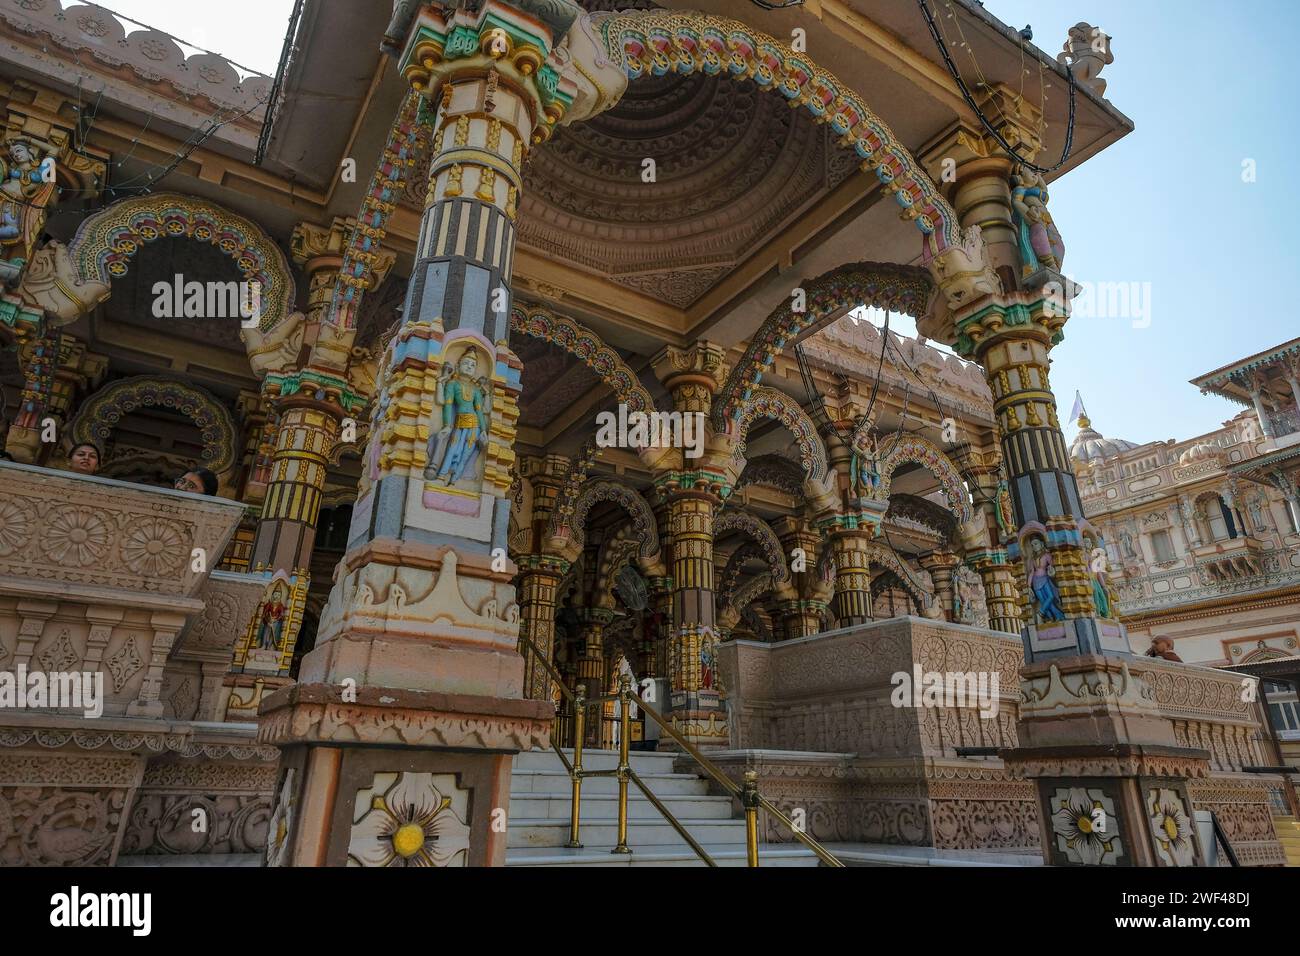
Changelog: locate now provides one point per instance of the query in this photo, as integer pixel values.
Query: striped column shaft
(465, 251)
(306, 433)
(852, 602)
(537, 587)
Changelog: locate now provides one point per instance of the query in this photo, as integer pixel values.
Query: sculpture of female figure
(464, 431)
(1040, 242)
(1042, 582)
(1100, 599)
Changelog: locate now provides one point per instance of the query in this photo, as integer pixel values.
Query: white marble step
(535, 832)
(725, 855)
(558, 782)
(605, 806)
(642, 762)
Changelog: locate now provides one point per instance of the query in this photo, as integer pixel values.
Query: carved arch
(569, 529)
(924, 512)
(890, 580)
(748, 592)
(903, 449)
(731, 519)
(775, 471)
(898, 288)
(107, 241)
(656, 42)
(887, 559)
(775, 404)
(584, 344)
(101, 412)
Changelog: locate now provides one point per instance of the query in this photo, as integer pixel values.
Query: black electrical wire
(970, 101)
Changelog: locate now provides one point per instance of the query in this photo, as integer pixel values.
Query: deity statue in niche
(708, 665)
(25, 191)
(456, 449)
(1042, 583)
(1041, 246)
(270, 629)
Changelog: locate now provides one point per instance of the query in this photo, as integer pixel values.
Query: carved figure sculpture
(52, 284)
(1039, 240)
(1042, 582)
(1085, 53)
(24, 195)
(464, 402)
(271, 628)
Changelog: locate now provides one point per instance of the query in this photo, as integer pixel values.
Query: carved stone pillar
(421, 626)
(591, 665)
(941, 565)
(1257, 397)
(851, 551)
(1011, 336)
(800, 617)
(1001, 592)
(692, 490)
(539, 576)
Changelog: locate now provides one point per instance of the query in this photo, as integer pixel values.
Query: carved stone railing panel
(73, 533)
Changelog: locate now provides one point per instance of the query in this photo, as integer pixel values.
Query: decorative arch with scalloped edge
(902, 449)
(731, 519)
(584, 344)
(771, 403)
(645, 529)
(656, 42)
(897, 288)
(106, 243)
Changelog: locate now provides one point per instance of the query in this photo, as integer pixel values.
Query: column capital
(693, 375)
(511, 42)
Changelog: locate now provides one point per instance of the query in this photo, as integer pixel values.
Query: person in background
(198, 481)
(1163, 647)
(84, 458)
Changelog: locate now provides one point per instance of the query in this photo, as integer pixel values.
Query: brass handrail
(750, 799)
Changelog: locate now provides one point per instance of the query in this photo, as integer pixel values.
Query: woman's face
(84, 460)
(189, 482)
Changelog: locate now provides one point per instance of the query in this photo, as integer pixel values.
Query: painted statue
(708, 665)
(969, 603)
(271, 628)
(1042, 582)
(1100, 599)
(465, 404)
(25, 192)
(865, 469)
(1004, 512)
(1041, 246)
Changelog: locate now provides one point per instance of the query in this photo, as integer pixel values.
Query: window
(1162, 546)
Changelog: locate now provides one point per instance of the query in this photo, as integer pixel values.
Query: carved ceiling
(731, 165)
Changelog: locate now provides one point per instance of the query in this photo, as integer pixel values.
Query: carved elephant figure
(963, 272)
(277, 348)
(1086, 51)
(53, 284)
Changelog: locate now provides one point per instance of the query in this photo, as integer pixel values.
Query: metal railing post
(579, 731)
(624, 732)
(749, 800)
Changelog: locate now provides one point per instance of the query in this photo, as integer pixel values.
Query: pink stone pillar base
(353, 772)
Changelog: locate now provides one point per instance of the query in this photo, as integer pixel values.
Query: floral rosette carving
(1085, 827)
(155, 548)
(1171, 828)
(76, 536)
(410, 822)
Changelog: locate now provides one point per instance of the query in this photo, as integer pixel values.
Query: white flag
(1078, 408)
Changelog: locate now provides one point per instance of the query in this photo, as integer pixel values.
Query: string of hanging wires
(1012, 151)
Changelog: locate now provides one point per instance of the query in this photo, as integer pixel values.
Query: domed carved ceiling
(732, 164)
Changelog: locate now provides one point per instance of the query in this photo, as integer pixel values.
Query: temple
(578, 433)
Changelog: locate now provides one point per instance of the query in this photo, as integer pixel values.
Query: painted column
(591, 666)
(693, 490)
(413, 695)
(1011, 337)
(1002, 594)
(539, 577)
(851, 551)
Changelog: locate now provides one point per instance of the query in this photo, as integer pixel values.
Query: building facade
(527, 365)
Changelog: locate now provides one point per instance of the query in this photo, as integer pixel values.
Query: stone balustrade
(106, 581)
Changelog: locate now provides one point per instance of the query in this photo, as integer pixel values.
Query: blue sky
(1208, 86)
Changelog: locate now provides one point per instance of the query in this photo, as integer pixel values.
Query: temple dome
(1090, 446)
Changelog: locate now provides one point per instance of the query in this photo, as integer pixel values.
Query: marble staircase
(540, 798)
